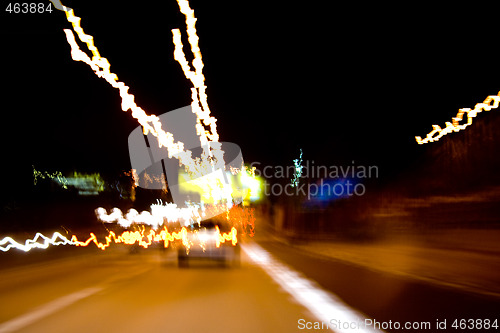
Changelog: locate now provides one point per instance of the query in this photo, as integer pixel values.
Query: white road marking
(323, 305)
(46, 309)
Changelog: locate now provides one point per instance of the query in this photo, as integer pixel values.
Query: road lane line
(46, 309)
(323, 305)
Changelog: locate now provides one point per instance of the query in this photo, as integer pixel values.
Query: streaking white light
(56, 239)
(159, 215)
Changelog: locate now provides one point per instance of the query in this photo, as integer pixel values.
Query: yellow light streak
(491, 102)
(198, 92)
(127, 237)
(238, 216)
(223, 237)
(56, 175)
(212, 157)
(151, 123)
(146, 239)
(244, 218)
(100, 66)
(135, 237)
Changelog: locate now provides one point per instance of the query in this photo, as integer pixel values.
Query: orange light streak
(133, 237)
(242, 217)
(199, 104)
(230, 236)
(455, 126)
(145, 240)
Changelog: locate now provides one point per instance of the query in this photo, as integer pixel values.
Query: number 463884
(32, 8)
(475, 324)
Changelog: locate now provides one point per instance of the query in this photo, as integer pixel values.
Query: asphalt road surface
(275, 289)
(385, 297)
(117, 291)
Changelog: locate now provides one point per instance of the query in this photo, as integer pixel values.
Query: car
(206, 241)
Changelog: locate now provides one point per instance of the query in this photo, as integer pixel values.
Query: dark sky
(342, 82)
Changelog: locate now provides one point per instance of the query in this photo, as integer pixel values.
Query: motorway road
(116, 291)
(385, 297)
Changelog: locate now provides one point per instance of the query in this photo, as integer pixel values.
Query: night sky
(342, 82)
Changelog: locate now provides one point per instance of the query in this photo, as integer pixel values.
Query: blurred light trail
(238, 216)
(133, 237)
(298, 170)
(151, 123)
(491, 102)
(198, 92)
(100, 66)
(146, 239)
(127, 237)
(242, 217)
(159, 215)
(54, 176)
(223, 237)
(86, 184)
(253, 186)
(56, 239)
(212, 157)
(321, 304)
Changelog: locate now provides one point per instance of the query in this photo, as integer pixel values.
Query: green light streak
(298, 170)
